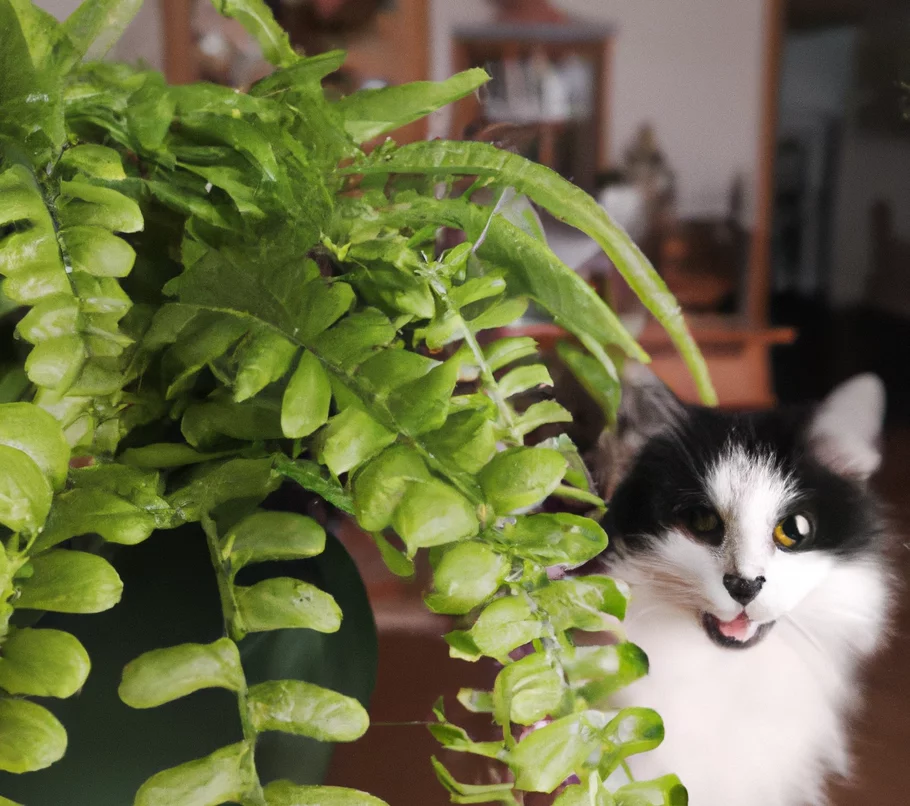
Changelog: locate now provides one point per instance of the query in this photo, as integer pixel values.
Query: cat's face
(737, 518)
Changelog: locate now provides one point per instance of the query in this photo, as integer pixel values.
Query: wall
(693, 68)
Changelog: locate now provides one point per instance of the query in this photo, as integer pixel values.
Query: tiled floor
(392, 761)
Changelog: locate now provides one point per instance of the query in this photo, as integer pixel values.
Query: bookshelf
(549, 80)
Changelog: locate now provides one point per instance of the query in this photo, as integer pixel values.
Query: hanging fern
(224, 294)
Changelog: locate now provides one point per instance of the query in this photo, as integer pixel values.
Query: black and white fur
(760, 721)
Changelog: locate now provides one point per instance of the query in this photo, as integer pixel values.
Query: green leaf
(433, 513)
(596, 672)
(31, 114)
(549, 755)
(590, 603)
(252, 420)
(31, 738)
(631, 731)
(468, 574)
(36, 433)
(257, 19)
(199, 342)
(285, 793)
(521, 477)
(96, 251)
(56, 363)
(462, 646)
(390, 369)
(477, 288)
(218, 483)
(92, 511)
(665, 791)
(94, 27)
(394, 560)
(55, 315)
(351, 438)
(163, 675)
(380, 485)
(163, 455)
(98, 161)
(225, 776)
(265, 536)
(25, 492)
(92, 205)
(451, 737)
(311, 476)
(280, 603)
(554, 538)
(43, 663)
(603, 387)
(355, 338)
(592, 794)
(455, 738)
(304, 709)
(239, 134)
(305, 405)
(476, 701)
(286, 297)
(498, 315)
(544, 412)
(369, 113)
(66, 581)
(523, 378)
(422, 405)
(528, 690)
(506, 624)
(567, 202)
(151, 112)
(13, 383)
(467, 440)
(305, 72)
(471, 793)
(234, 182)
(41, 29)
(265, 359)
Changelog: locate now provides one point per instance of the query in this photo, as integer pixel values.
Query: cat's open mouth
(740, 633)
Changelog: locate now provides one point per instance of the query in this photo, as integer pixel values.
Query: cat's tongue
(737, 629)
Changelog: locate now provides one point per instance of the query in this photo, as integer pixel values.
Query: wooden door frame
(758, 285)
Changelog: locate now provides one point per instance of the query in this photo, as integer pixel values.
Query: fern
(223, 293)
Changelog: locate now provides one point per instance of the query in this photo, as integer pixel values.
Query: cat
(755, 554)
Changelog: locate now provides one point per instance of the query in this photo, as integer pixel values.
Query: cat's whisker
(792, 622)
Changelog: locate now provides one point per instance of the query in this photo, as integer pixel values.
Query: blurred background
(757, 150)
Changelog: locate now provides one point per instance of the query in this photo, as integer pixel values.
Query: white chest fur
(763, 726)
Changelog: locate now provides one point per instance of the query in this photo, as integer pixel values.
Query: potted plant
(210, 297)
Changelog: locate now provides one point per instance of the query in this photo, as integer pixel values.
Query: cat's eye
(705, 524)
(791, 530)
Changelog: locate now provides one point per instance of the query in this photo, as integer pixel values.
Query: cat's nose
(741, 589)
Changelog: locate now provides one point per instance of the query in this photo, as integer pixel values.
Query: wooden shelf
(736, 351)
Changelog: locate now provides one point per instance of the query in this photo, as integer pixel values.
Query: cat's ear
(648, 407)
(845, 430)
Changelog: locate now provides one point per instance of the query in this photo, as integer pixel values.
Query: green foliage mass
(221, 292)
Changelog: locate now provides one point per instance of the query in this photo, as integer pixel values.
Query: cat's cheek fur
(789, 578)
